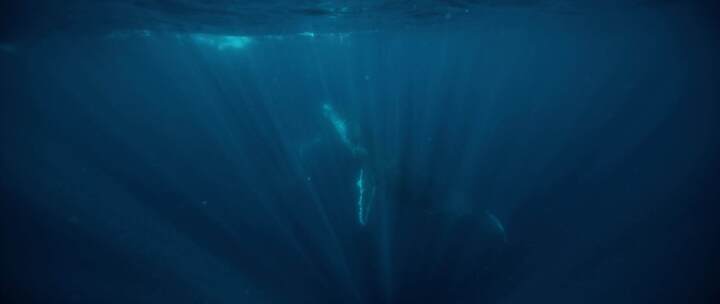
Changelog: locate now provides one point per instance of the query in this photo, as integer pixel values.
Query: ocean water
(376, 151)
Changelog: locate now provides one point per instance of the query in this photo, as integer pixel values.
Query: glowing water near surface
(358, 151)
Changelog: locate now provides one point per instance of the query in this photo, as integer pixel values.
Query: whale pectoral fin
(365, 185)
(497, 224)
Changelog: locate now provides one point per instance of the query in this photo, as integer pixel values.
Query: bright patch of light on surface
(221, 42)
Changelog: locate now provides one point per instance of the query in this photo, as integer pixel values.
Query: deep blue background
(152, 169)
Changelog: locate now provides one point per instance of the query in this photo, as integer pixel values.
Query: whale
(364, 183)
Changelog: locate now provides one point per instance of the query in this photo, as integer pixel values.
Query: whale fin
(497, 224)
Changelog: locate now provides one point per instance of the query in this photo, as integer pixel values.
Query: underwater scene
(359, 151)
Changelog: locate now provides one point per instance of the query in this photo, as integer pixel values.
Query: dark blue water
(359, 152)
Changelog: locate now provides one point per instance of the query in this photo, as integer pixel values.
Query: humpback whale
(365, 181)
